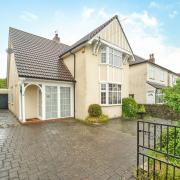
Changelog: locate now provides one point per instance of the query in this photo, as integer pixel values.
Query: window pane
(103, 97)
(119, 98)
(110, 98)
(103, 87)
(65, 101)
(103, 55)
(110, 87)
(119, 87)
(114, 97)
(51, 102)
(110, 59)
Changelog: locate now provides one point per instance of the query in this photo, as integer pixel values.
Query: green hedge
(129, 108)
(161, 111)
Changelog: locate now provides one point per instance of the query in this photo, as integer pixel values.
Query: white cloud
(87, 12)
(28, 16)
(102, 13)
(173, 14)
(154, 4)
(151, 40)
(145, 18)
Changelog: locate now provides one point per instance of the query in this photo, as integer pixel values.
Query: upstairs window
(111, 56)
(162, 76)
(103, 55)
(152, 73)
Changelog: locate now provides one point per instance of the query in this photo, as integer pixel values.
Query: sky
(150, 26)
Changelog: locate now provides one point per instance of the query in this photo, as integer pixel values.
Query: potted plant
(141, 111)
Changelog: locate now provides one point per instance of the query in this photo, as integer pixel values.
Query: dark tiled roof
(90, 35)
(38, 57)
(156, 85)
(138, 60)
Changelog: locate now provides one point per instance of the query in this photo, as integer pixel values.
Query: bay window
(110, 93)
(111, 56)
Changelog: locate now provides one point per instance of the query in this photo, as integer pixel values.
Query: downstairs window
(110, 93)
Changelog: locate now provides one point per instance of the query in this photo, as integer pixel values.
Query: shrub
(95, 110)
(141, 108)
(103, 118)
(129, 108)
(172, 96)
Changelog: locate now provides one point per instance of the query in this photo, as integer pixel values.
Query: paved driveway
(67, 150)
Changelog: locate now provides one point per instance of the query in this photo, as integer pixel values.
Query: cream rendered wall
(31, 102)
(80, 86)
(137, 82)
(13, 86)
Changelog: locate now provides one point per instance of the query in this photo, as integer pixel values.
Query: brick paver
(67, 150)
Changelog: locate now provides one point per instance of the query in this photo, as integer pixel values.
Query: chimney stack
(56, 38)
(151, 58)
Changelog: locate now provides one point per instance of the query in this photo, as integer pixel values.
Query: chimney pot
(56, 37)
(151, 58)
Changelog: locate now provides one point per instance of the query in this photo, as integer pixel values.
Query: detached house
(148, 78)
(48, 79)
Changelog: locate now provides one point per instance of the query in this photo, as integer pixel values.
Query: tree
(172, 96)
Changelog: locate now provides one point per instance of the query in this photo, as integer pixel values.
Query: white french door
(51, 102)
(65, 101)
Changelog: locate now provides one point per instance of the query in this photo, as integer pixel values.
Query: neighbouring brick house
(148, 78)
(48, 79)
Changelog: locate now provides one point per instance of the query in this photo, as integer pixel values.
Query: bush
(141, 108)
(103, 118)
(129, 108)
(95, 110)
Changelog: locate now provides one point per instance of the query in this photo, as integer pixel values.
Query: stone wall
(161, 111)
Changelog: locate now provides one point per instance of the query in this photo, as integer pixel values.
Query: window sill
(109, 105)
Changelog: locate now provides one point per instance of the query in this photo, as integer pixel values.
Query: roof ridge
(35, 35)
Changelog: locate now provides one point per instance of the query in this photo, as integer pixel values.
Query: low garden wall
(161, 111)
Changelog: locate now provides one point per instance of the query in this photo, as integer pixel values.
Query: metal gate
(3, 101)
(158, 151)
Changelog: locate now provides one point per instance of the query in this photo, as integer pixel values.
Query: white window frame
(173, 79)
(107, 93)
(152, 72)
(158, 94)
(162, 76)
(114, 53)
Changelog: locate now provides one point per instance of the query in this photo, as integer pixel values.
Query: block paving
(66, 150)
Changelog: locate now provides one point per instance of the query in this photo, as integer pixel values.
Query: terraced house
(48, 79)
(148, 78)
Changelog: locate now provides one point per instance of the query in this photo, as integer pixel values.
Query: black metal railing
(158, 151)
